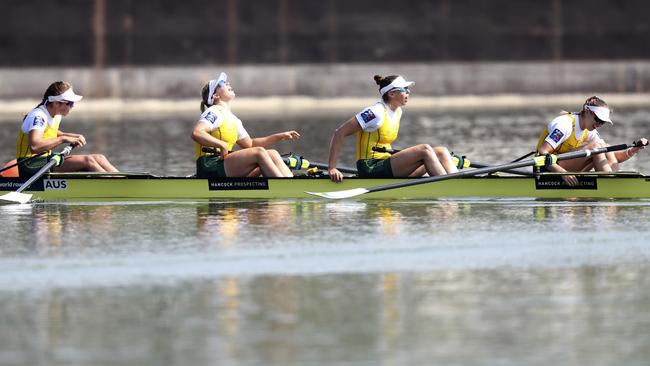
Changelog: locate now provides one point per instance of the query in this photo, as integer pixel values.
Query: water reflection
(383, 318)
(116, 228)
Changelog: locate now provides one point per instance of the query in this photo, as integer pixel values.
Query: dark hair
(383, 81)
(594, 101)
(56, 88)
(204, 96)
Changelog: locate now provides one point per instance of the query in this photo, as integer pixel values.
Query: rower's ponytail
(204, 97)
(56, 88)
(593, 101)
(383, 81)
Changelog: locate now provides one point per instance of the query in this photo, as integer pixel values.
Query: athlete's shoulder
(371, 113)
(211, 115)
(36, 118)
(563, 119)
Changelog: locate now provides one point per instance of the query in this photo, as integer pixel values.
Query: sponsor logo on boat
(556, 182)
(12, 184)
(234, 184)
(55, 184)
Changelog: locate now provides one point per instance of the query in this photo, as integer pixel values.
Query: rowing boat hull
(85, 186)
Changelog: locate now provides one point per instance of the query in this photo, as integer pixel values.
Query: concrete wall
(337, 80)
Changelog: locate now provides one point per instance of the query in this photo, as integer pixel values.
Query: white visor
(399, 82)
(213, 85)
(601, 112)
(68, 95)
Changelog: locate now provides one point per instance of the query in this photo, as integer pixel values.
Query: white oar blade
(15, 197)
(337, 195)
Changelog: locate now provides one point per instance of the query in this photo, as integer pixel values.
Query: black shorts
(210, 166)
(30, 167)
(375, 168)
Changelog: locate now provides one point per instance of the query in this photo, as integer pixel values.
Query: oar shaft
(510, 171)
(496, 168)
(342, 169)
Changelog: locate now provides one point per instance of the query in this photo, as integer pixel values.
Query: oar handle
(385, 150)
(212, 150)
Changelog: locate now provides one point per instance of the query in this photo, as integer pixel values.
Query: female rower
(376, 127)
(579, 131)
(40, 134)
(220, 129)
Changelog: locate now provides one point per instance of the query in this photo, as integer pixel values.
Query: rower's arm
(276, 137)
(201, 135)
(37, 144)
(624, 155)
(545, 149)
(348, 128)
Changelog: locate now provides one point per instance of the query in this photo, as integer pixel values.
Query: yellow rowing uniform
(36, 119)
(227, 131)
(381, 137)
(571, 144)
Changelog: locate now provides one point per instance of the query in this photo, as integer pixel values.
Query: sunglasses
(68, 103)
(404, 90)
(598, 121)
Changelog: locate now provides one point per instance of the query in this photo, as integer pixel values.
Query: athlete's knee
(259, 152)
(441, 151)
(99, 158)
(425, 149)
(273, 153)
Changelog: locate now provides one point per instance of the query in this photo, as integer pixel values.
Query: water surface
(313, 282)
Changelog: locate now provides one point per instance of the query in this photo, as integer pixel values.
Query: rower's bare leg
(601, 161)
(405, 162)
(279, 163)
(419, 172)
(104, 163)
(444, 156)
(255, 173)
(576, 165)
(613, 161)
(242, 162)
(85, 163)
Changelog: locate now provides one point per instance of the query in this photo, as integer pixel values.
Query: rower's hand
(76, 141)
(641, 144)
(289, 135)
(335, 175)
(223, 151)
(571, 180)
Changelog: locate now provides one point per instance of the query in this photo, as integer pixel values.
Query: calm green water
(311, 282)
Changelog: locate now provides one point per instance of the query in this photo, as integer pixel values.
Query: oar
(21, 161)
(297, 162)
(542, 160)
(17, 197)
(460, 161)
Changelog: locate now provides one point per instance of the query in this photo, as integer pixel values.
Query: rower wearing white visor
(218, 130)
(579, 131)
(376, 127)
(40, 133)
